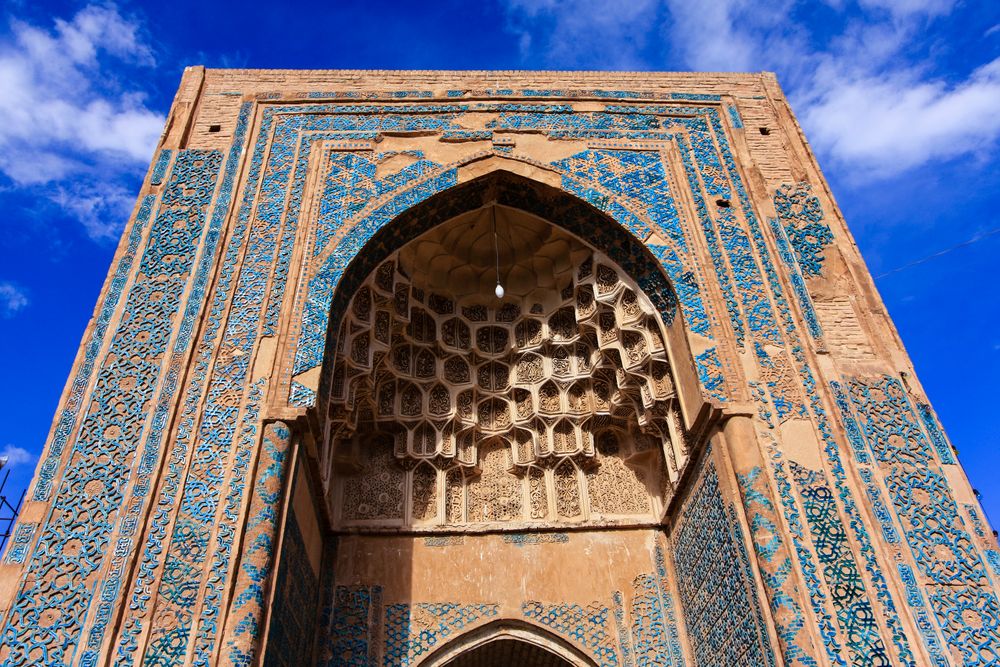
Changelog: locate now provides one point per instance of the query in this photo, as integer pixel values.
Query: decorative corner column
(773, 555)
(255, 578)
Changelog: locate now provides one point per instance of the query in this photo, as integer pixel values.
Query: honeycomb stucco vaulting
(301, 430)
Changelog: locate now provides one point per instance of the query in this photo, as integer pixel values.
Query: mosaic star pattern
(950, 567)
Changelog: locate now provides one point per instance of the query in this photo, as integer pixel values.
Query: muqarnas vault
(302, 429)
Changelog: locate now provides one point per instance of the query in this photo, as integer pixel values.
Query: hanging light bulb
(496, 246)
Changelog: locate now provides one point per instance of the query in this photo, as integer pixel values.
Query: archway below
(504, 643)
(504, 652)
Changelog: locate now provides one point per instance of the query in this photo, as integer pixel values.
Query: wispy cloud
(17, 455)
(101, 207)
(910, 8)
(12, 299)
(855, 74)
(906, 121)
(64, 117)
(727, 35)
(585, 33)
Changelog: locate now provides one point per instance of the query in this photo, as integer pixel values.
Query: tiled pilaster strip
(213, 490)
(777, 570)
(51, 606)
(808, 382)
(245, 615)
(67, 418)
(152, 561)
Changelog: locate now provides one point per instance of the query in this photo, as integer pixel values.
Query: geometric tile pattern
(624, 640)
(666, 589)
(68, 564)
(142, 592)
(355, 613)
(788, 258)
(854, 610)
(802, 216)
(17, 549)
(295, 609)
(159, 169)
(588, 626)
(723, 617)
(215, 483)
(924, 624)
(649, 632)
(777, 571)
(414, 630)
(831, 448)
(259, 542)
(948, 564)
(985, 536)
(818, 595)
(940, 443)
(801, 235)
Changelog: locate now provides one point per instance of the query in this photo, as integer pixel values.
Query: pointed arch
(544, 644)
(341, 271)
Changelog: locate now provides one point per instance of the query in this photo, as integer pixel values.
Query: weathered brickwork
(302, 428)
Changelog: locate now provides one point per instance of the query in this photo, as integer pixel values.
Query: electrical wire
(975, 239)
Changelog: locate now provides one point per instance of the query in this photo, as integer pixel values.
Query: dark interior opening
(506, 652)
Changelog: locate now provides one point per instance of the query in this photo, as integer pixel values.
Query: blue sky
(900, 100)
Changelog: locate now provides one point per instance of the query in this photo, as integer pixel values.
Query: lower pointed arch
(508, 642)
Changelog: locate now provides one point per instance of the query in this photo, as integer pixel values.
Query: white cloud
(864, 101)
(871, 109)
(97, 27)
(102, 208)
(12, 299)
(725, 35)
(17, 455)
(62, 114)
(890, 123)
